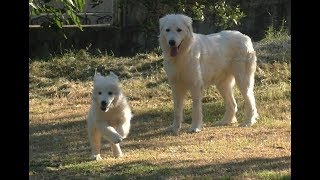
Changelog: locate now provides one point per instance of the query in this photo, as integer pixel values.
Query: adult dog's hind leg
(225, 87)
(245, 81)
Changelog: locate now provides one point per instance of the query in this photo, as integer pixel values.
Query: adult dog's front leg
(178, 96)
(196, 110)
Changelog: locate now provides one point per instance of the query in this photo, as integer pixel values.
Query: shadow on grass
(153, 124)
(149, 170)
(183, 169)
(59, 143)
(63, 135)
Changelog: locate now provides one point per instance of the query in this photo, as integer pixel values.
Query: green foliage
(57, 16)
(279, 34)
(227, 16)
(194, 9)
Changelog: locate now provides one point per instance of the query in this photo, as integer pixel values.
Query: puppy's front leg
(109, 132)
(95, 142)
(123, 129)
(116, 151)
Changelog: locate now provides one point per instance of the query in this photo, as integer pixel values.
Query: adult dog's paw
(225, 123)
(247, 123)
(173, 129)
(194, 130)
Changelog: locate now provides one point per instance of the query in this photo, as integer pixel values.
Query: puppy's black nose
(103, 103)
(172, 42)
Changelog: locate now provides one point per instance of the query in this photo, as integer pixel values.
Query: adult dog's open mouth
(174, 50)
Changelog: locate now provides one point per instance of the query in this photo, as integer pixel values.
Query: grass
(59, 101)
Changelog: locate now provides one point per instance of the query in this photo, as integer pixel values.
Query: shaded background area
(130, 34)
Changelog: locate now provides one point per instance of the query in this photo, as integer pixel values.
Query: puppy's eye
(110, 93)
(179, 30)
(99, 93)
(167, 30)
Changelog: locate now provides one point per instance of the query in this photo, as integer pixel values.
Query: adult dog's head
(175, 34)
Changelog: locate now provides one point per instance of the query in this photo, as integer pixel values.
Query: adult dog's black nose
(103, 103)
(172, 42)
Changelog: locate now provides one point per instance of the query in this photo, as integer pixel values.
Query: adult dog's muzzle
(174, 50)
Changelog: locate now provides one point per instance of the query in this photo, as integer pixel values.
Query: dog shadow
(61, 142)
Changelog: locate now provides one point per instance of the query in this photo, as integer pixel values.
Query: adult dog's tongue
(174, 51)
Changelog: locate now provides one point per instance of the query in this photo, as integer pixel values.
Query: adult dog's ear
(188, 22)
(161, 22)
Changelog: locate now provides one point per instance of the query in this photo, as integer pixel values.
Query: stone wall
(43, 42)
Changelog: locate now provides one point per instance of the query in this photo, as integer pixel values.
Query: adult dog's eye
(99, 93)
(110, 93)
(179, 30)
(167, 30)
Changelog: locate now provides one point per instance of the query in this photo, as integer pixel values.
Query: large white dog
(109, 115)
(194, 61)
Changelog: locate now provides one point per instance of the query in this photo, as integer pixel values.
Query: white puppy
(195, 61)
(109, 115)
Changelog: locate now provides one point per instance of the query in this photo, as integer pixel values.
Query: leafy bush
(275, 46)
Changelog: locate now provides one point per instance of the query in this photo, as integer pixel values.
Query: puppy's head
(175, 33)
(105, 91)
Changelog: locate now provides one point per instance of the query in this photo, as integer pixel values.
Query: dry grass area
(60, 98)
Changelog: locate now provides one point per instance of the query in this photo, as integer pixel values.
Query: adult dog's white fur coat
(109, 115)
(195, 61)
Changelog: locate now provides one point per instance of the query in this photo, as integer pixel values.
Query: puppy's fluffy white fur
(109, 115)
(194, 61)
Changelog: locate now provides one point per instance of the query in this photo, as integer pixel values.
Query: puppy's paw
(96, 157)
(116, 138)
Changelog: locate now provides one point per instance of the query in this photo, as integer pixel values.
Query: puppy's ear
(188, 22)
(114, 76)
(96, 76)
